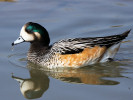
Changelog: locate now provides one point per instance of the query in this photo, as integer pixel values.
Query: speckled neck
(36, 52)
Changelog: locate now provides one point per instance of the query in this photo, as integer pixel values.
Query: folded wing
(77, 45)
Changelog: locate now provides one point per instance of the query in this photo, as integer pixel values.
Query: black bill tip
(13, 44)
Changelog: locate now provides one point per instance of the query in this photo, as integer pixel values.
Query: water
(22, 80)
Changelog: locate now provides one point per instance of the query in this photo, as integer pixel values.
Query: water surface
(22, 80)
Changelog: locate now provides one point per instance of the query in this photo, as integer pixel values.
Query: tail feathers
(125, 34)
(114, 39)
(114, 45)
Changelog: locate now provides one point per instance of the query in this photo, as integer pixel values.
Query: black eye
(19, 38)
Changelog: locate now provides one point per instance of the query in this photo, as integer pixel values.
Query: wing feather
(77, 45)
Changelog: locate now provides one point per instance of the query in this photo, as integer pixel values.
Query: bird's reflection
(38, 82)
(95, 75)
(35, 86)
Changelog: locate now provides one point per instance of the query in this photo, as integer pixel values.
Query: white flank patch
(110, 53)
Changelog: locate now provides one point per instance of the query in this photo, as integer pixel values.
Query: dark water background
(66, 19)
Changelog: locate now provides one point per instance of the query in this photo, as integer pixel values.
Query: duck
(71, 52)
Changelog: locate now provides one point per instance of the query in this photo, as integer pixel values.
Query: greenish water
(21, 80)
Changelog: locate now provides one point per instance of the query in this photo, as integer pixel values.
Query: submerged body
(75, 53)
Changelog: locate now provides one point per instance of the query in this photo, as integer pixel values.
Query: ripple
(18, 59)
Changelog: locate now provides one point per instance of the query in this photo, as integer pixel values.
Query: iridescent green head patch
(34, 27)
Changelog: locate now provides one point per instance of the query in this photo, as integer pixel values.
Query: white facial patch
(27, 37)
